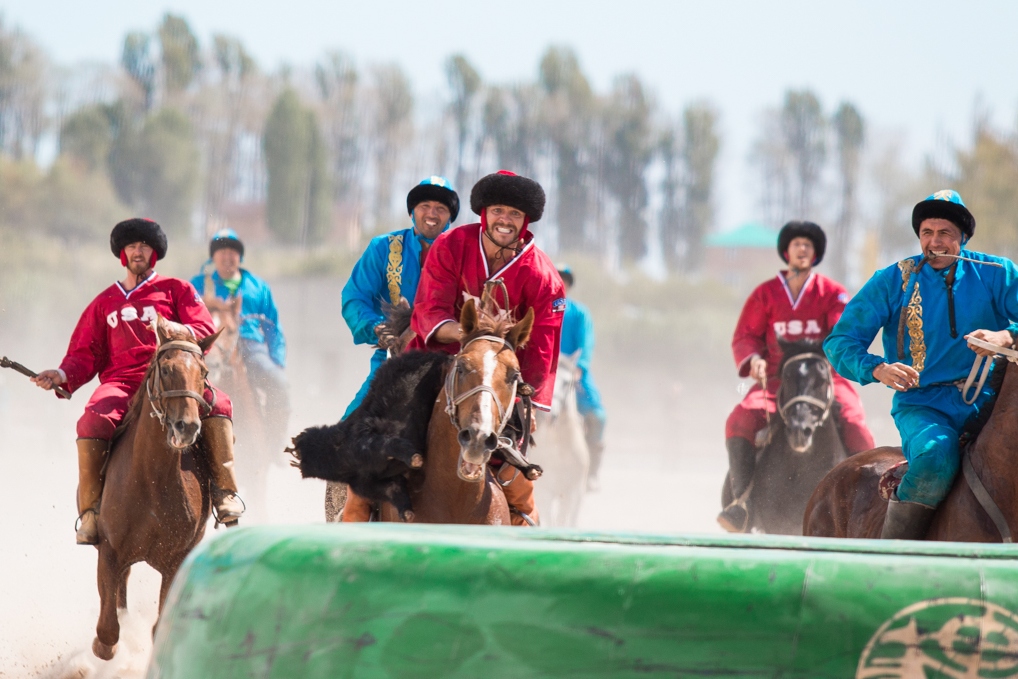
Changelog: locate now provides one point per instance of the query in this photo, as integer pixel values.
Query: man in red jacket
(797, 304)
(114, 340)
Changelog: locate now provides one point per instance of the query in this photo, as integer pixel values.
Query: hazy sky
(914, 69)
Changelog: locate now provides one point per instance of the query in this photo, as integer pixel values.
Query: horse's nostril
(464, 437)
(491, 442)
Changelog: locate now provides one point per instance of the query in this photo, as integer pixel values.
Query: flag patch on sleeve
(559, 305)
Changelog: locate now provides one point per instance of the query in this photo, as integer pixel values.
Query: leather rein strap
(158, 395)
(825, 406)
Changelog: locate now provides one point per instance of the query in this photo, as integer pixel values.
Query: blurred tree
(87, 135)
(851, 134)
(699, 154)
(297, 204)
(465, 83)
(986, 179)
(804, 131)
(669, 149)
(337, 80)
(24, 78)
(628, 150)
(510, 122)
(567, 117)
(181, 56)
(156, 169)
(137, 60)
(393, 130)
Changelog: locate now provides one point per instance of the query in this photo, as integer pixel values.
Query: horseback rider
(390, 267)
(498, 248)
(389, 271)
(578, 335)
(928, 306)
(262, 344)
(114, 340)
(797, 304)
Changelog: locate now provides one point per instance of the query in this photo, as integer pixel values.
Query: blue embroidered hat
(946, 204)
(226, 238)
(434, 188)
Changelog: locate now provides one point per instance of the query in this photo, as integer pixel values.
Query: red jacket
(114, 338)
(456, 264)
(770, 312)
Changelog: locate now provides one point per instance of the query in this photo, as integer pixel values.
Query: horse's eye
(164, 370)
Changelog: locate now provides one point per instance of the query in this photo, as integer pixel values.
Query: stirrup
(229, 521)
(523, 515)
(78, 523)
(723, 521)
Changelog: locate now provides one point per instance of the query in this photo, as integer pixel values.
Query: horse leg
(168, 573)
(110, 575)
(122, 590)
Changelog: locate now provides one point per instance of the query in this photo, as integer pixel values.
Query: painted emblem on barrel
(946, 638)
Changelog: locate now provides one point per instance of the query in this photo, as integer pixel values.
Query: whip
(8, 363)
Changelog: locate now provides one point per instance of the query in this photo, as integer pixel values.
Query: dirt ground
(662, 473)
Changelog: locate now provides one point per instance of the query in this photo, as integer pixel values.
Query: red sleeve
(750, 332)
(435, 301)
(192, 312)
(539, 359)
(87, 352)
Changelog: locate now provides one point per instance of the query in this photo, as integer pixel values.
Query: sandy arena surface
(663, 468)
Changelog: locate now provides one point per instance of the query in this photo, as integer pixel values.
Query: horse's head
(566, 377)
(226, 316)
(481, 385)
(176, 381)
(806, 394)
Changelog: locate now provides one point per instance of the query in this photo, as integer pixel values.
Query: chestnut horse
(156, 498)
(456, 484)
(847, 503)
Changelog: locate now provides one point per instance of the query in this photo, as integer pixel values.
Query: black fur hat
(946, 204)
(793, 230)
(508, 188)
(138, 230)
(434, 188)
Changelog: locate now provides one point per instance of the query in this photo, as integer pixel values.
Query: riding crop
(8, 363)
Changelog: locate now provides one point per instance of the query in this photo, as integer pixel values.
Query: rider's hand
(758, 369)
(897, 376)
(1000, 338)
(448, 333)
(48, 379)
(404, 339)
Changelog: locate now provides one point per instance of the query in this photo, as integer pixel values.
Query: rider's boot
(91, 458)
(217, 433)
(593, 430)
(356, 509)
(520, 496)
(906, 520)
(741, 463)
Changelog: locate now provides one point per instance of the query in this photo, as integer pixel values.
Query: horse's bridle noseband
(825, 406)
(452, 400)
(158, 394)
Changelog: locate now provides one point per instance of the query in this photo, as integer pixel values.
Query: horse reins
(158, 395)
(452, 400)
(824, 405)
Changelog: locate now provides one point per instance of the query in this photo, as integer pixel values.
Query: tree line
(190, 131)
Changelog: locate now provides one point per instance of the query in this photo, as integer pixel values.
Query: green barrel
(382, 600)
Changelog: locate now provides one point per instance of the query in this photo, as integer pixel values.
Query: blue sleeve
(586, 341)
(872, 308)
(274, 337)
(364, 292)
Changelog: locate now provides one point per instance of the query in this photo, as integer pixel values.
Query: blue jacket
(368, 285)
(985, 297)
(578, 333)
(257, 300)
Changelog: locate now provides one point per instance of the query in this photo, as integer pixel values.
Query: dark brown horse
(456, 484)
(847, 503)
(156, 497)
(803, 442)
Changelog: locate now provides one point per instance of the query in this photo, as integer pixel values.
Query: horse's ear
(157, 328)
(468, 317)
(206, 342)
(520, 333)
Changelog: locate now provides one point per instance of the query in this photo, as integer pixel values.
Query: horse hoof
(102, 651)
(408, 517)
(416, 460)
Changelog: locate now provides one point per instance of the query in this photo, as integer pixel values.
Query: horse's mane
(791, 348)
(497, 323)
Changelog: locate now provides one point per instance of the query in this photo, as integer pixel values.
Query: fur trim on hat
(507, 188)
(138, 230)
(793, 230)
(220, 243)
(958, 215)
(423, 192)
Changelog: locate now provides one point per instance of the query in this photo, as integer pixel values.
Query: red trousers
(109, 402)
(750, 416)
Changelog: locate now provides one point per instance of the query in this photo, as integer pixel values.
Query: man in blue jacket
(578, 334)
(928, 306)
(390, 267)
(262, 344)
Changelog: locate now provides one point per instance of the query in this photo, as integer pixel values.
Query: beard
(138, 267)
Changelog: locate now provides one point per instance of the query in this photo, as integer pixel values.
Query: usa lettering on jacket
(129, 313)
(795, 328)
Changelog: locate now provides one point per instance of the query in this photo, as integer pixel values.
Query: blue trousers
(588, 398)
(930, 419)
(377, 359)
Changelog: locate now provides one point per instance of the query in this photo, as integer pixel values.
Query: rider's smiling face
(430, 217)
(505, 224)
(940, 236)
(227, 262)
(801, 254)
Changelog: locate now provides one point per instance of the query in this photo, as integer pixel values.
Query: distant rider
(797, 304)
(388, 271)
(927, 306)
(262, 344)
(114, 340)
(578, 335)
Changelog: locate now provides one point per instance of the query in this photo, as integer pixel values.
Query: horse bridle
(452, 400)
(825, 406)
(158, 395)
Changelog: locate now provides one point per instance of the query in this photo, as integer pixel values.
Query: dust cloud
(663, 469)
